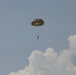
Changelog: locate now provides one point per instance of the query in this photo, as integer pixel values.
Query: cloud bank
(51, 62)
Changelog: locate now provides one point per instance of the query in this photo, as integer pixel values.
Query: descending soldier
(38, 37)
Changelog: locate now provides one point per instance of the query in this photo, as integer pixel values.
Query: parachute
(37, 22)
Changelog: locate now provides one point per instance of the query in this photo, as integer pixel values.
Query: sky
(20, 51)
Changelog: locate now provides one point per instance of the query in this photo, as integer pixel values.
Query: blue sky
(18, 38)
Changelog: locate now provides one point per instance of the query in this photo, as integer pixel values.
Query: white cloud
(72, 40)
(50, 62)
